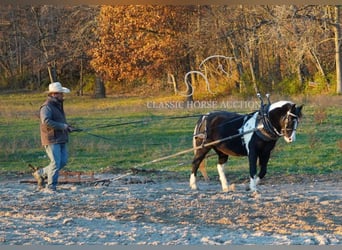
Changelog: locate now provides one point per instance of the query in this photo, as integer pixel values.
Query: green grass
(317, 150)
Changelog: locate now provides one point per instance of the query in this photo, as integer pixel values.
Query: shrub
(288, 86)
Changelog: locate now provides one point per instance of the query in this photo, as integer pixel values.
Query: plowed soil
(145, 210)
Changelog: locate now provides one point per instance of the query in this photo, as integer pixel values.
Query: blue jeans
(58, 156)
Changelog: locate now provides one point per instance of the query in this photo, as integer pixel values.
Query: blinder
(286, 118)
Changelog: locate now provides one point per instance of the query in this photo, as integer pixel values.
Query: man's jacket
(53, 125)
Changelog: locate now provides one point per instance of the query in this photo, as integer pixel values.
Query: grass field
(122, 132)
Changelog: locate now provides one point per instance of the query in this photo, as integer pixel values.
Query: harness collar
(266, 130)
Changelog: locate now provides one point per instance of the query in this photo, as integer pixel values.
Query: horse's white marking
(249, 125)
(193, 185)
(253, 183)
(292, 138)
(194, 139)
(192, 181)
(224, 183)
(279, 104)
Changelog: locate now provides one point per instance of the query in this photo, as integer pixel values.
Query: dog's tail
(33, 167)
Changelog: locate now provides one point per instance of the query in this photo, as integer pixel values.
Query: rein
(144, 122)
(176, 154)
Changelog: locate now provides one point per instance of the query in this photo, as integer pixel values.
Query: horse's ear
(298, 111)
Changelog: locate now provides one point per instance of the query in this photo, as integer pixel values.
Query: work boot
(39, 179)
(49, 190)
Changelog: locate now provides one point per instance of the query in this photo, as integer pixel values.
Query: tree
(59, 42)
(139, 42)
(12, 45)
(43, 41)
(338, 44)
(37, 39)
(275, 47)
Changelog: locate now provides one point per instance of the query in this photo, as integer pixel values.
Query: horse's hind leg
(199, 139)
(203, 171)
(199, 156)
(202, 164)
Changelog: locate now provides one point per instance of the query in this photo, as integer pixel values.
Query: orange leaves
(137, 41)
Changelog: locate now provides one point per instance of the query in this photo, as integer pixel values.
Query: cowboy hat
(56, 87)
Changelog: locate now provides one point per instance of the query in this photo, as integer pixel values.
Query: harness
(202, 135)
(267, 132)
(249, 124)
(263, 125)
(258, 122)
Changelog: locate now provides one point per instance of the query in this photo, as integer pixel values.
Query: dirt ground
(145, 210)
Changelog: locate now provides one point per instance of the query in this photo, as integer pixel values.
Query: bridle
(286, 118)
(269, 131)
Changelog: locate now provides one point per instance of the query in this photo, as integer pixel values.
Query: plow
(69, 177)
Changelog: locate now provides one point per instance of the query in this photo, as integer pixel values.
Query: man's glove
(72, 129)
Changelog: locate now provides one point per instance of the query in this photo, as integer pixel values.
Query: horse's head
(285, 115)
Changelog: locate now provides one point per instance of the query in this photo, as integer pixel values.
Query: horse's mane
(279, 104)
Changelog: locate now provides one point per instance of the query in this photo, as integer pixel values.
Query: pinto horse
(253, 135)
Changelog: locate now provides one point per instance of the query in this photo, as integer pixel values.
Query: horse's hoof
(230, 188)
(252, 191)
(255, 194)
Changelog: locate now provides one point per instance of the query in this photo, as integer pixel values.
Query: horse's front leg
(192, 181)
(263, 161)
(254, 179)
(220, 169)
(222, 160)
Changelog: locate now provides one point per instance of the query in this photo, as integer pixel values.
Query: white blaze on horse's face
(292, 138)
(290, 121)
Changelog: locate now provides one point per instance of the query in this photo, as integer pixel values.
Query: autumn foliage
(139, 42)
(287, 49)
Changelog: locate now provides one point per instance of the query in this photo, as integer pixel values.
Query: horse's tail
(194, 144)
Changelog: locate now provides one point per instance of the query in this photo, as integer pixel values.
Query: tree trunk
(338, 37)
(253, 73)
(190, 97)
(52, 72)
(51, 66)
(277, 68)
(319, 67)
(239, 66)
(251, 61)
(100, 90)
(303, 72)
(80, 92)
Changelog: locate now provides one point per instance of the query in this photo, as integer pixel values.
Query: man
(54, 132)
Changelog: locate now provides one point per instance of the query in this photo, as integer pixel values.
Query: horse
(253, 135)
